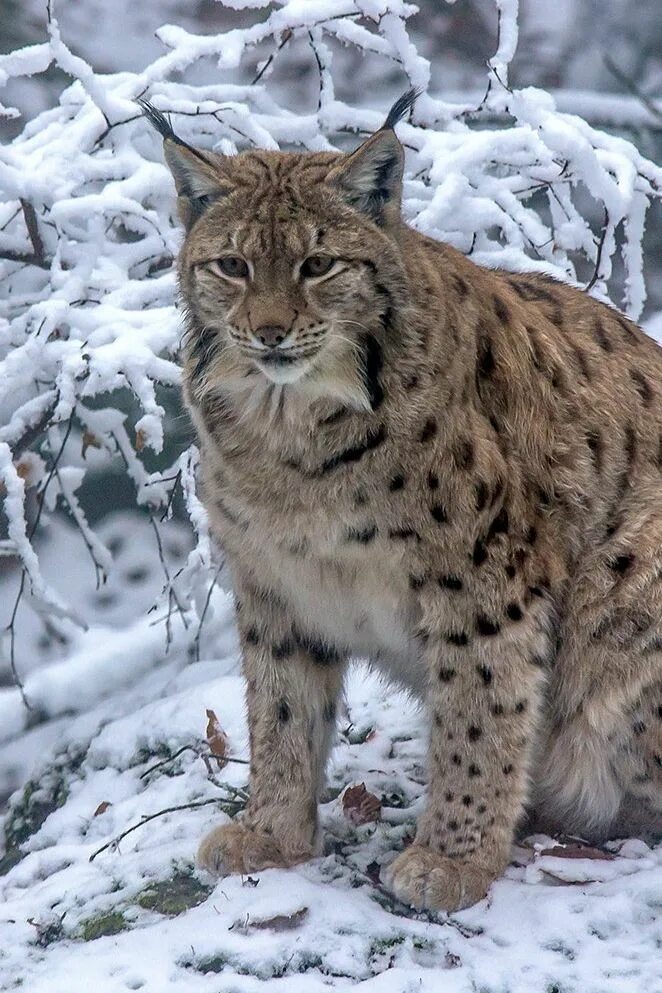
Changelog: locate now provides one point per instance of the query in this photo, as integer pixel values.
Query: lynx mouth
(280, 367)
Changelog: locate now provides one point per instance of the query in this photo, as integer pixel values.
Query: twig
(11, 627)
(630, 85)
(198, 634)
(596, 272)
(32, 433)
(33, 232)
(190, 748)
(114, 842)
(166, 512)
(287, 34)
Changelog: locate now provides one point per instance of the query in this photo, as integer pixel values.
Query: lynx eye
(316, 265)
(233, 266)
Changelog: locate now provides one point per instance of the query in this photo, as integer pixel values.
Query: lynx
(450, 471)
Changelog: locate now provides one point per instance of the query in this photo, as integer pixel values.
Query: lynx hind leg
(638, 769)
(602, 747)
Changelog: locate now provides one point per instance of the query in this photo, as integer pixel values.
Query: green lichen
(103, 925)
(173, 896)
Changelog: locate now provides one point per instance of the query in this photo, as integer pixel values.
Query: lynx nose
(271, 335)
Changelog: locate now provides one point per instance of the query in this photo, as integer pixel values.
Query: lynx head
(290, 264)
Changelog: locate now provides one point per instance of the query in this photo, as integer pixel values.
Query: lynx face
(291, 263)
(289, 287)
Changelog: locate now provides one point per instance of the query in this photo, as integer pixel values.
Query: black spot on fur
(474, 733)
(486, 627)
(461, 287)
(363, 535)
(374, 438)
(642, 386)
(474, 771)
(445, 675)
(404, 534)
(482, 495)
(520, 707)
(372, 363)
(622, 563)
(463, 454)
(284, 712)
(630, 445)
(497, 709)
(438, 512)
(428, 430)
(601, 336)
(334, 417)
(499, 525)
(456, 759)
(416, 582)
(460, 639)
(594, 442)
(450, 582)
(467, 800)
(514, 612)
(397, 483)
(320, 651)
(485, 356)
(507, 769)
(252, 636)
(582, 361)
(485, 674)
(501, 310)
(282, 649)
(433, 481)
(479, 553)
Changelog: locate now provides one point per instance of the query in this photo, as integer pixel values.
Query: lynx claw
(426, 880)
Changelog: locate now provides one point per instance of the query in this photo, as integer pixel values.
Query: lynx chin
(451, 471)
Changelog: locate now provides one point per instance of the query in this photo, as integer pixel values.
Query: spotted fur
(452, 471)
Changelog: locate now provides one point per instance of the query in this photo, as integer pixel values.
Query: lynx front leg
(484, 695)
(292, 687)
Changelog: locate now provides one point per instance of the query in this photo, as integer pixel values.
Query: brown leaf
(359, 806)
(577, 852)
(89, 441)
(102, 808)
(216, 739)
(141, 440)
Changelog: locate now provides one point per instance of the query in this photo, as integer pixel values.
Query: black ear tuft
(401, 107)
(158, 120)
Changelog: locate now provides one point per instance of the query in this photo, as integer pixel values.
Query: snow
(124, 636)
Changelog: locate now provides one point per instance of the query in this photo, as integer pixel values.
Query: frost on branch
(88, 234)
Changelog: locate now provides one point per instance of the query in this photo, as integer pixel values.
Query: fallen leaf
(359, 806)
(577, 852)
(216, 739)
(141, 440)
(102, 808)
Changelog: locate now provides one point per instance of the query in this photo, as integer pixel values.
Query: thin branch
(629, 84)
(29, 436)
(198, 634)
(596, 272)
(167, 810)
(287, 34)
(33, 232)
(190, 748)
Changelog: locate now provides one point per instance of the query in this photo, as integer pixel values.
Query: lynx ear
(198, 179)
(371, 177)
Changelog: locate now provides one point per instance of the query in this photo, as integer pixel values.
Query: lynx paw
(428, 881)
(236, 848)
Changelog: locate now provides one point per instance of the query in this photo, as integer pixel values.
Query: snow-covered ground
(137, 915)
